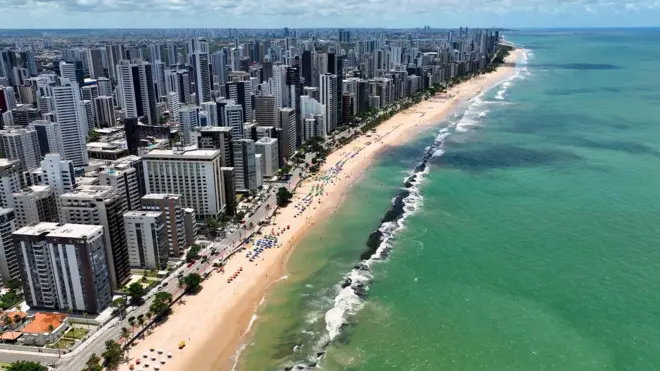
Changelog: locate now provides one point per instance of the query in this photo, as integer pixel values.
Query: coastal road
(76, 360)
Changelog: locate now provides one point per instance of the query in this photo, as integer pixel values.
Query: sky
(327, 13)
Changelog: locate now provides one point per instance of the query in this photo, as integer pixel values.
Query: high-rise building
(241, 93)
(195, 175)
(170, 205)
(234, 119)
(73, 122)
(125, 181)
(22, 145)
(136, 84)
(132, 135)
(102, 206)
(293, 84)
(64, 267)
(328, 90)
(288, 125)
(146, 236)
(190, 225)
(104, 86)
(49, 136)
(104, 112)
(57, 173)
(266, 110)
(278, 87)
(9, 269)
(229, 178)
(199, 57)
(219, 67)
(35, 204)
(173, 105)
(269, 150)
(10, 181)
(245, 164)
(95, 57)
(307, 67)
(188, 121)
(219, 138)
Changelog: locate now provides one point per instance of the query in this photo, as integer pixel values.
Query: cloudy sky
(326, 13)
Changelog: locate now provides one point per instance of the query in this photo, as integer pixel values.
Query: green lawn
(62, 344)
(76, 333)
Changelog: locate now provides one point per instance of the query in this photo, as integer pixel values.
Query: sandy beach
(214, 322)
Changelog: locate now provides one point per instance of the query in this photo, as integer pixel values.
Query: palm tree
(140, 319)
(18, 319)
(125, 333)
(7, 321)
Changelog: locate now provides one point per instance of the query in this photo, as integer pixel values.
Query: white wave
(253, 319)
(439, 153)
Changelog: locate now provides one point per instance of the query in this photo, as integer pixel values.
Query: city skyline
(323, 13)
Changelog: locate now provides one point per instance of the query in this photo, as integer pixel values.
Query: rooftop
(89, 191)
(139, 213)
(75, 230)
(196, 154)
(160, 196)
(7, 162)
(37, 229)
(42, 322)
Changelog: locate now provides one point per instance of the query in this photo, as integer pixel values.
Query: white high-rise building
(49, 136)
(278, 86)
(173, 105)
(310, 106)
(22, 145)
(328, 90)
(68, 71)
(10, 182)
(234, 119)
(57, 173)
(73, 122)
(9, 268)
(35, 204)
(258, 161)
(195, 175)
(104, 112)
(188, 121)
(146, 236)
(268, 148)
(64, 267)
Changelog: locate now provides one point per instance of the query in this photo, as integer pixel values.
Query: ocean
(526, 239)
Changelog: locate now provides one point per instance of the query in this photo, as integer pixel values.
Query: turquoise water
(533, 246)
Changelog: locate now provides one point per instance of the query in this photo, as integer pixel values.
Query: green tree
(136, 292)
(161, 304)
(193, 253)
(125, 334)
(283, 196)
(14, 285)
(140, 320)
(93, 363)
(212, 226)
(192, 282)
(26, 366)
(119, 306)
(112, 355)
(93, 136)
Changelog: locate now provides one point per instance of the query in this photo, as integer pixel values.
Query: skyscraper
(234, 118)
(245, 164)
(64, 267)
(146, 235)
(95, 58)
(170, 205)
(288, 125)
(49, 136)
(307, 67)
(241, 93)
(266, 110)
(199, 58)
(73, 122)
(293, 84)
(136, 84)
(101, 206)
(328, 90)
(35, 204)
(195, 175)
(9, 269)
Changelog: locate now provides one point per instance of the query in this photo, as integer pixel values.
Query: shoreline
(216, 322)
